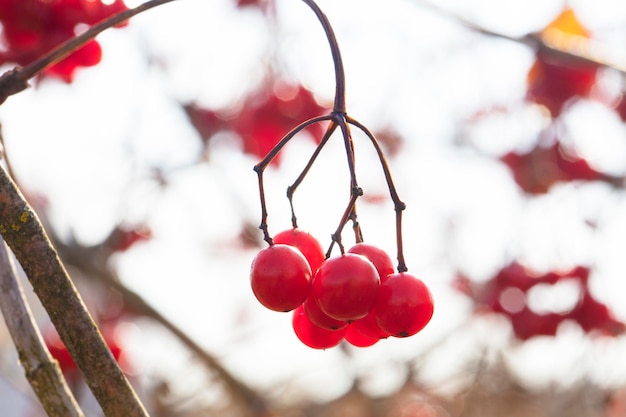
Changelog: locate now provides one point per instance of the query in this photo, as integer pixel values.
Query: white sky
(405, 65)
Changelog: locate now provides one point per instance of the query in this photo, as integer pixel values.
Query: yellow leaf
(567, 24)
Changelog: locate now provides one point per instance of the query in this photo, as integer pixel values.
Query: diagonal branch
(24, 234)
(533, 40)
(95, 268)
(42, 371)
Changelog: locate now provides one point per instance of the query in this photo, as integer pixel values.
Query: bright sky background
(406, 65)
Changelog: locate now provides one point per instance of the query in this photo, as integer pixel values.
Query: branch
(24, 234)
(16, 80)
(533, 40)
(42, 371)
(84, 260)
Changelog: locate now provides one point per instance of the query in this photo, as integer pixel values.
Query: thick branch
(42, 371)
(26, 237)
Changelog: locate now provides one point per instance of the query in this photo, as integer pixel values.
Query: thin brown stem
(260, 168)
(292, 188)
(349, 145)
(263, 226)
(277, 148)
(41, 370)
(399, 206)
(355, 193)
(340, 77)
(356, 227)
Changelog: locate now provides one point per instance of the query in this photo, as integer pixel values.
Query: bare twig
(16, 79)
(42, 371)
(26, 237)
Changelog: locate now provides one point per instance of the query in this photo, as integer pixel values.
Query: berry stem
(292, 188)
(260, 168)
(355, 193)
(263, 225)
(340, 78)
(399, 206)
(356, 227)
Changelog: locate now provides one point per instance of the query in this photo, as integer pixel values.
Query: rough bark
(24, 234)
(42, 371)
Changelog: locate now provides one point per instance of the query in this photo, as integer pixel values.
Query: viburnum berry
(346, 287)
(280, 277)
(381, 260)
(306, 243)
(313, 336)
(358, 339)
(404, 305)
(319, 318)
(369, 327)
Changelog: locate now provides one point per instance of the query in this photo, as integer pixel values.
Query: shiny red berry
(346, 287)
(369, 327)
(319, 318)
(313, 336)
(280, 277)
(306, 243)
(381, 260)
(358, 339)
(404, 305)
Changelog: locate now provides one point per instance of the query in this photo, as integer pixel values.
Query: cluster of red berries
(506, 293)
(266, 115)
(555, 82)
(355, 296)
(31, 28)
(537, 170)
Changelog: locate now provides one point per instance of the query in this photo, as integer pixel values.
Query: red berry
(306, 243)
(319, 318)
(313, 336)
(404, 305)
(346, 287)
(358, 339)
(382, 262)
(369, 327)
(280, 277)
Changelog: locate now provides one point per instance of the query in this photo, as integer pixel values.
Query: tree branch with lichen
(25, 235)
(41, 370)
(92, 261)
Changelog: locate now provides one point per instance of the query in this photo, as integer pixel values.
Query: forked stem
(292, 188)
(260, 168)
(338, 118)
